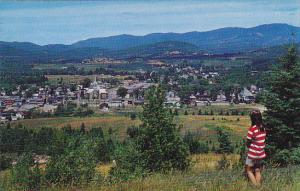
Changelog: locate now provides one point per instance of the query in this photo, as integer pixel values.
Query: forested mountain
(225, 40)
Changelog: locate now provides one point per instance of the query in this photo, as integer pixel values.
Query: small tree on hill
(282, 100)
(225, 146)
(159, 141)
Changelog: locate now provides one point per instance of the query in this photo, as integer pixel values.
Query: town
(100, 95)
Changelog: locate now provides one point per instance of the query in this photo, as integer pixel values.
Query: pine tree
(199, 112)
(159, 143)
(225, 145)
(282, 100)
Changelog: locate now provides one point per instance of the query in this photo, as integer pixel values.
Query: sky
(66, 22)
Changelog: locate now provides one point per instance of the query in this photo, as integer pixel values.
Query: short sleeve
(250, 133)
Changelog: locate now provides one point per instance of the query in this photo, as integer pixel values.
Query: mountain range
(220, 41)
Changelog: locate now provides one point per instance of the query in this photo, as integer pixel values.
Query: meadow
(204, 173)
(202, 176)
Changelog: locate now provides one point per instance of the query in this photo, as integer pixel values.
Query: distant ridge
(231, 39)
(224, 40)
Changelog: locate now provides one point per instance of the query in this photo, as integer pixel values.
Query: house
(20, 115)
(172, 100)
(47, 108)
(246, 96)
(116, 103)
(201, 103)
(221, 98)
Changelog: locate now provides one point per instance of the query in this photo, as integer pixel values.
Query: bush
(133, 116)
(128, 163)
(199, 112)
(223, 164)
(25, 174)
(5, 161)
(75, 165)
(195, 147)
(133, 132)
(225, 145)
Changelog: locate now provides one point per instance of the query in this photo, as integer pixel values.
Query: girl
(256, 143)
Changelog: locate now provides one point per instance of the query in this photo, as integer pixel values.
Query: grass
(202, 176)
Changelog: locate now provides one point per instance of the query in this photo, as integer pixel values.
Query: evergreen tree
(282, 100)
(199, 112)
(159, 143)
(176, 112)
(225, 145)
(82, 128)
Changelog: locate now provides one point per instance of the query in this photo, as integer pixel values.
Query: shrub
(195, 147)
(128, 163)
(75, 165)
(132, 116)
(224, 142)
(25, 174)
(223, 164)
(5, 161)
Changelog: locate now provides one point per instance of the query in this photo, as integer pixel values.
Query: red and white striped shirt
(257, 146)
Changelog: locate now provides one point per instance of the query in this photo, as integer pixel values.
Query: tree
(86, 82)
(82, 128)
(132, 116)
(159, 143)
(194, 145)
(176, 112)
(199, 112)
(122, 92)
(225, 146)
(282, 101)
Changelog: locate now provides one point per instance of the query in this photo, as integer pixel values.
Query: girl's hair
(256, 119)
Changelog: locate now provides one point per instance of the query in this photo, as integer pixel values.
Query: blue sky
(50, 22)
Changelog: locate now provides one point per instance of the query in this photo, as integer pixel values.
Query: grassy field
(67, 79)
(203, 176)
(202, 125)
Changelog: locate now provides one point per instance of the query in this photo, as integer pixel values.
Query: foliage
(225, 146)
(5, 161)
(159, 141)
(282, 101)
(132, 116)
(86, 82)
(128, 163)
(195, 146)
(122, 92)
(155, 146)
(25, 174)
(75, 165)
(223, 163)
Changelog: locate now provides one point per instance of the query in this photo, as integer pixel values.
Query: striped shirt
(256, 149)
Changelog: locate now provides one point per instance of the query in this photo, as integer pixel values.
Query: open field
(76, 79)
(203, 125)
